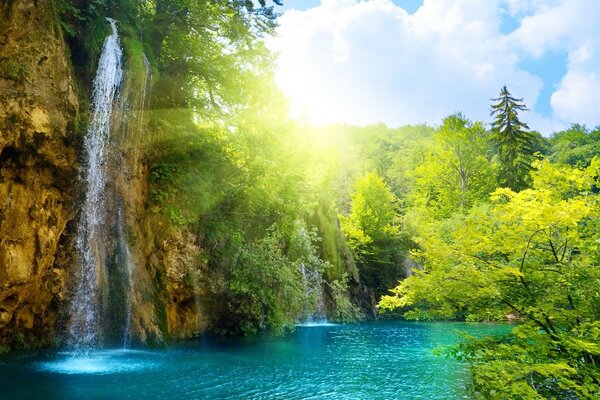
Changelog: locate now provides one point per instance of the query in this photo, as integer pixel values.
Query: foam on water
(101, 362)
(315, 324)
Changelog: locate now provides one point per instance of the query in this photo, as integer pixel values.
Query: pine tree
(514, 140)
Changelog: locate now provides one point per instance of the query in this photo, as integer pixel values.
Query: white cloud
(577, 98)
(569, 26)
(368, 61)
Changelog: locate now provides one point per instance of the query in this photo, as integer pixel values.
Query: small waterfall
(142, 100)
(89, 294)
(312, 281)
(127, 263)
(147, 79)
(132, 122)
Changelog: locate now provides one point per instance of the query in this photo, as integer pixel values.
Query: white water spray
(312, 281)
(128, 264)
(127, 260)
(91, 277)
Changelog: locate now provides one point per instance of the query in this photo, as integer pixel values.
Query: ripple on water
(378, 360)
(101, 362)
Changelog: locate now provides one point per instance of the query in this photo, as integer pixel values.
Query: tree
(210, 55)
(457, 172)
(514, 140)
(372, 233)
(373, 206)
(532, 255)
(265, 289)
(575, 146)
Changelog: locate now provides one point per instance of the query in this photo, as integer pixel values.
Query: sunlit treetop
(211, 55)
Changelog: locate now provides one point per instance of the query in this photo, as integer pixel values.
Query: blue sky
(409, 5)
(415, 61)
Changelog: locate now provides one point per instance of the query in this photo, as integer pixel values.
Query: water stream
(91, 280)
(107, 285)
(127, 262)
(131, 108)
(316, 311)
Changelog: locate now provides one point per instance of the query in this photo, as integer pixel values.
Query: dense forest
(478, 221)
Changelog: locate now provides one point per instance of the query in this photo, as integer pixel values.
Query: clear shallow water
(378, 360)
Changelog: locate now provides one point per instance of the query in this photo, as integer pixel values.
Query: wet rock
(37, 170)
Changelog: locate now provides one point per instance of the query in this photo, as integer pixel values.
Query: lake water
(373, 360)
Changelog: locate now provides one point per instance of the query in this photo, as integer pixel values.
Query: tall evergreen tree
(514, 140)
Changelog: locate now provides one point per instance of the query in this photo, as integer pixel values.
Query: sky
(416, 61)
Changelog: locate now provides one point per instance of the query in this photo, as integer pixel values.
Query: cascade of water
(91, 277)
(147, 78)
(127, 263)
(314, 292)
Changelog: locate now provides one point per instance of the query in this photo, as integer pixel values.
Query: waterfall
(91, 278)
(127, 263)
(312, 281)
(147, 78)
(131, 120)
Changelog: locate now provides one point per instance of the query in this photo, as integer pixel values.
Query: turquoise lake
(373, 360)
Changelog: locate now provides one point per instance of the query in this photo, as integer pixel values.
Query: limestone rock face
(175, 257)
(184, 316)
(38, 168)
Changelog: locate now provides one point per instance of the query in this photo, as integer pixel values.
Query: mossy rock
(14, 70)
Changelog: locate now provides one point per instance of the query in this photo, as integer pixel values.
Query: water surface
(376, 360)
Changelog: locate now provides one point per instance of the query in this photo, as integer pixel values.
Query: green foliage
(184, 173)
(205, 57)
(303, 249)
(515, 142)
(372, 233)
(527, 365)
(532, 255)
(64, 12)
(344, 309)
(134, 56)
(265, 289)
(456, 172)
(85, 26)
(373, 211)
(332, 246)
(575, 146)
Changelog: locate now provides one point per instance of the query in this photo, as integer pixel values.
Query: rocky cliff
(40, 140)
(38, 168)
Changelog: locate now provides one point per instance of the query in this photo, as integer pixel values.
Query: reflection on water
(378, 360)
